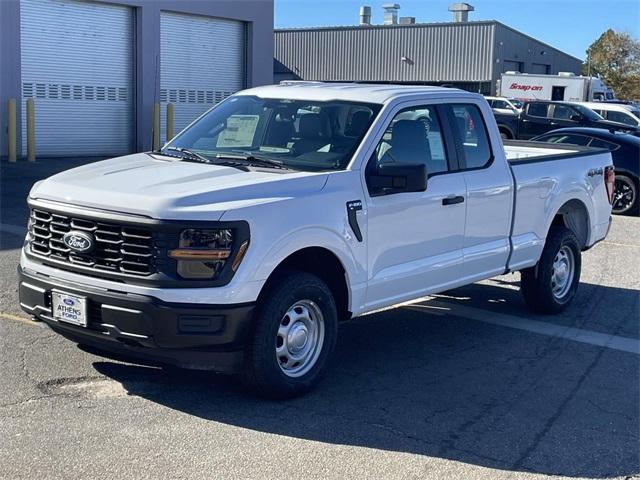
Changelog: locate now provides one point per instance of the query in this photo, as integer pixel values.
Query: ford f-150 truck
(540, 117)
(243, 242)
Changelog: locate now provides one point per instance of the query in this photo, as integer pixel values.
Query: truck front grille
(118, 248)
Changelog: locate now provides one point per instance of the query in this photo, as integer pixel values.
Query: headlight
(202, 254)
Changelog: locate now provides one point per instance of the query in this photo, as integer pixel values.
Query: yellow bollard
(31, 131)
(169, 121)
(11, 130)
(156, 126)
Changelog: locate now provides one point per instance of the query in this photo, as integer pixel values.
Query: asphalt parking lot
(467, 384)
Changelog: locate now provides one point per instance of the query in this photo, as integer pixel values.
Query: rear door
(489, 195)
(533, 120)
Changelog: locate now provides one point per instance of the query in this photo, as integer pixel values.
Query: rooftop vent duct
(390, 13)
(407, 20)
(460, 11)
(365, 15)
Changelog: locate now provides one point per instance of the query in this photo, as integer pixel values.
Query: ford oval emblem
(68, 301)
(80, 242)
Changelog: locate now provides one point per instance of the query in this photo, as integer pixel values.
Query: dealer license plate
(69, 308)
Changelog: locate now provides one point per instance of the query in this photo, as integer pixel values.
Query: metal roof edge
(380, 26)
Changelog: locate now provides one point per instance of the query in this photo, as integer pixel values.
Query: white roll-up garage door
(202, 61)
(77, 65)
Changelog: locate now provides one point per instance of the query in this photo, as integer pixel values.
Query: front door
(415, 239)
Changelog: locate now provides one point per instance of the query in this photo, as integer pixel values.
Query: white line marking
(623, 344)
(13, 229)
(620, 244)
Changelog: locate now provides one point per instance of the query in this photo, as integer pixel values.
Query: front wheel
(549, 287)
(294, 334)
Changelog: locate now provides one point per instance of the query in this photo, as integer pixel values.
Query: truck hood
(140, 184)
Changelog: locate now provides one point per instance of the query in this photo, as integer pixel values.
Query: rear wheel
(550, 286)
(294, 335)
(625, 196)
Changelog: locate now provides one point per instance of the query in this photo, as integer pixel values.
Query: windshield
(516, 103)
(300, 134)
(587, 112)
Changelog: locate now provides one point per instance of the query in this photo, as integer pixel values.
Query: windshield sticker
(239, 132)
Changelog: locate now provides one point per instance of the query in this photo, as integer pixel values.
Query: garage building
(95, 69)
(467, 54)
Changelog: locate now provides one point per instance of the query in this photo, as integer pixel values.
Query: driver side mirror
(398, 177)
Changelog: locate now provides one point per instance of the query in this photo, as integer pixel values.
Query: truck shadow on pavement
(411, 380)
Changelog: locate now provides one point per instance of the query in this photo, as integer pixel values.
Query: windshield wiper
(252, 160)
(187, 154)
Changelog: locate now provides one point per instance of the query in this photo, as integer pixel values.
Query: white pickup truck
(286, 209)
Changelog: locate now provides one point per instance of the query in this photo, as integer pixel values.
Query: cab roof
(355, 92)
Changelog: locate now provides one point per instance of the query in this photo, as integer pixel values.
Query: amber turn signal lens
(241, 251)
(201, 255)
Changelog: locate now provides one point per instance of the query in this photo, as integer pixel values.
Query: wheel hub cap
(563, 272)
(297, 337)
(300, 338)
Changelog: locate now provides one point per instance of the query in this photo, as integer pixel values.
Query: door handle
(452, 200)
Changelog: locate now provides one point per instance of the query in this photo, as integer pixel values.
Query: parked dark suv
(539, 117)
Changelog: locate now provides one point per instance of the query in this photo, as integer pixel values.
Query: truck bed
(518, 151)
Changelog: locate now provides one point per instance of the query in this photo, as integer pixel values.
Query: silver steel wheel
(563, 272)
(300, 338)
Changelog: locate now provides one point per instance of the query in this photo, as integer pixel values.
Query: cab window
(562, 112)
(473, 134)
(537, 109)
(413, 136)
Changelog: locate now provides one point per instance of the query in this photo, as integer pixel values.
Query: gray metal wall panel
(77, 65)
(202, 61)
(436, 53)
(512, 45)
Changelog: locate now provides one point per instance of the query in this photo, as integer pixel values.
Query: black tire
(537, 283)
(505, 135)
(262, 372)
(626, 205)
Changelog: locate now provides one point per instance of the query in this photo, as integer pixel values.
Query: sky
(569, 25)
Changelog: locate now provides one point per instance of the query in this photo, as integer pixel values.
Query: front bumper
(194, 336)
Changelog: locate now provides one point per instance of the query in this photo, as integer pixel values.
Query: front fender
(297, 240)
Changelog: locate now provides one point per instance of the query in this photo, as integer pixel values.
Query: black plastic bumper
(145, 328)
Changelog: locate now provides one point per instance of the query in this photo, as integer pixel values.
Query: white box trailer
(564, 86)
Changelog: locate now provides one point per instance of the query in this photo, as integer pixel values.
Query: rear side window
(473, 133)
(621, 117)
(537, 109)
(567, 138)
(597, 143)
